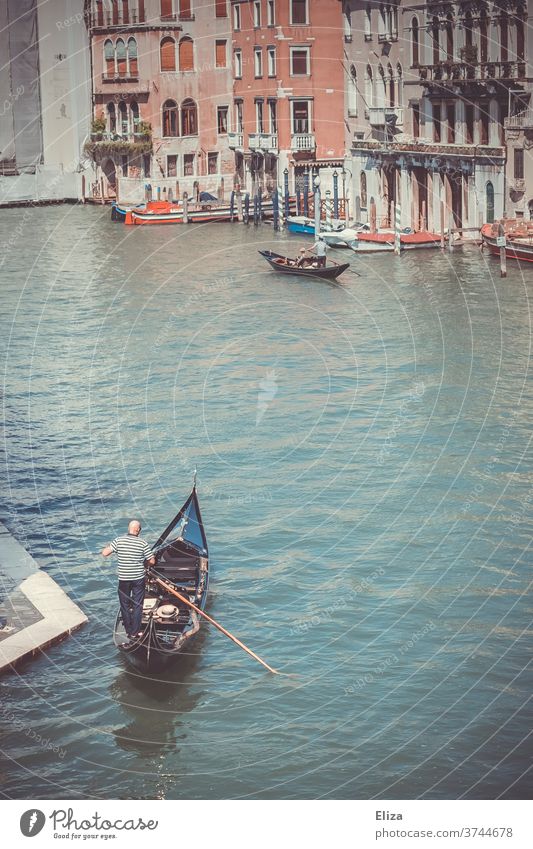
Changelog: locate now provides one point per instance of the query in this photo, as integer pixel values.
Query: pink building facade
(166, 64)
(288, 104)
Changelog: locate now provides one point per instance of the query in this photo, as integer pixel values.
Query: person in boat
(302, 259)
(321, 251)
(132, 553)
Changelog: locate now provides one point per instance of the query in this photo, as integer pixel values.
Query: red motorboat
(518, 238)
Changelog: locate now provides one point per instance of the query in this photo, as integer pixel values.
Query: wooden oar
(169, 588)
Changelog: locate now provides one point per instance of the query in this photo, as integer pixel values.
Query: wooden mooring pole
(442, 224)
(503, 254)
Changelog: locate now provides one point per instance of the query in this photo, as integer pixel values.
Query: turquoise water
(365, 480)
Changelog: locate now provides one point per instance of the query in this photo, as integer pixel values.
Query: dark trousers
(131, 597)
(321, 261)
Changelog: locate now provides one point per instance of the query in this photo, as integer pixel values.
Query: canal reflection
(155, 705)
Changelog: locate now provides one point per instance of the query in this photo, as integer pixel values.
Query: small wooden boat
(310, 268)
(182, 562)
(384, 241)
(518, 238)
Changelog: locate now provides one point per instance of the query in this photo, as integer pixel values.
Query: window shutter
(121, 58)
(186, 55)
(168, 55)
(166, 8)
(220, 8)
(220, 54)
(185, 8)
(132, 55)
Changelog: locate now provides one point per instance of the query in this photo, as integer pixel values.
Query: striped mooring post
(397, 228)
(306, 193)
(275, 209)
(335, 195)
(281, 209)
(329, 210)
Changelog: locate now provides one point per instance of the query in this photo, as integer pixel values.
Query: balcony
(303, 142)
(236, 141)
(523, 121)
(122, 85)
(379, 116)
(267, 142)
(455, 72)
(428, 154)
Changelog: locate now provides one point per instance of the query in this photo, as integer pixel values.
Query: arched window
(381, 99)
(168, 54)
(99, 13)
(186, 54)
(132, 57)
(449, 37)
(520, 43)
(399, 76)
(415, 42)
(362, 182)
(483, 40)
(114, 11)
(435, 37)
(109, 58)
(504, 37)
(123, 119)
(111, 118)
(134, 110)
(369, 87)
(390, 76)
(189, 118)
(121, 58)
(468, 29)
(170, 118)
(352, 91)
(489, 192)
(125, 12)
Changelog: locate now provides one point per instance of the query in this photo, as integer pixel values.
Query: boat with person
(305, 266)
(517, 238)
(175, 585)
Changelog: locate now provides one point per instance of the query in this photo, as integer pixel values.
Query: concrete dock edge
(57, 615)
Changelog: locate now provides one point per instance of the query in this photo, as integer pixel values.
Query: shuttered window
(121, 58)
(168, 54)
(221, 8)
(220, 54)
(189, 118)
(185, 8)
(166, 8)
(186, 55)
(170, 118)
(109, 56)
(132, 57)
(125, 12)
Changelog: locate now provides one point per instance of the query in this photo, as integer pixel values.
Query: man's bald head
(134, 527)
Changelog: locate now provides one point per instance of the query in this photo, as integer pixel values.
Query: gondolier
(321, 251)
(132, 553)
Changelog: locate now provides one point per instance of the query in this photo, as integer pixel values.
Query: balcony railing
(120, 137)
(378, 116)
(303, 142)
(236, 141)
(429, 148)
(263, 141)
(452, 71)
(519, 122)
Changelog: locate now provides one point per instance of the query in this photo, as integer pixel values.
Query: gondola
(182, 563)
(330, 271)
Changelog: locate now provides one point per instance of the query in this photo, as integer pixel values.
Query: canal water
(363, 468)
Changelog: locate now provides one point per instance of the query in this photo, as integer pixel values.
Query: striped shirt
(132, 551)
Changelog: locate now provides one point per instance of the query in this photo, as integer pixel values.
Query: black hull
(327, 272)
(170, 623)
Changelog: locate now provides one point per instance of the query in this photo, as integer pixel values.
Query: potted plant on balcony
(143, 131)
(98, 126)
(468, 54)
